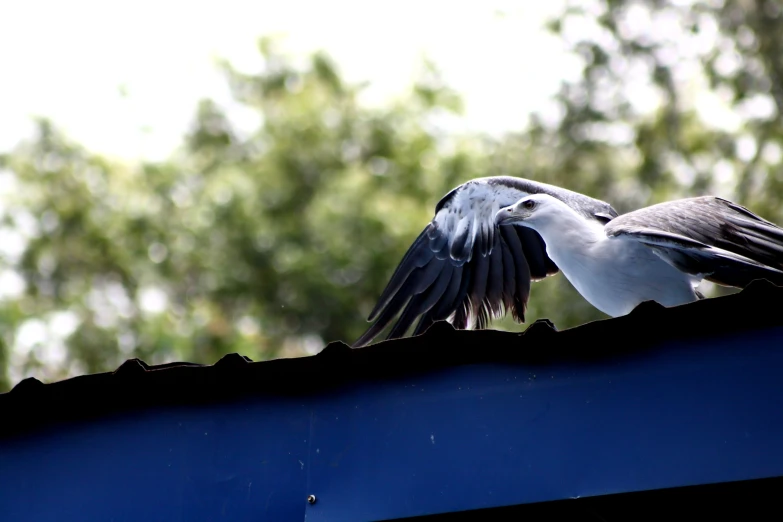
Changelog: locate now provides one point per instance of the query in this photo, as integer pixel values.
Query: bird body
(614, 274)
(658, 253)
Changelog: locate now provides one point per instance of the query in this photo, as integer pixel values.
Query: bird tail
(755, 246)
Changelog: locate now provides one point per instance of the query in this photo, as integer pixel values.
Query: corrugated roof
(137, 385)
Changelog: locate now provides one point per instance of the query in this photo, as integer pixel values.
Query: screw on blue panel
(311, 499)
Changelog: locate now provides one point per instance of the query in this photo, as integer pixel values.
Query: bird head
(528, 211)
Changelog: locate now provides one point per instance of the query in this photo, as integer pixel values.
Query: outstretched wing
(462, 268)
(708, 237)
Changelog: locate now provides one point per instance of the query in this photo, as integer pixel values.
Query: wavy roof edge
(135, 384)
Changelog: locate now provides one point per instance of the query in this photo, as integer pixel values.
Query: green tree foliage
(272, 244)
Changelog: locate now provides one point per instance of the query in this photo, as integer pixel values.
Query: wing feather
(460, 247)
(423, 302)
(419, 280)
(708, 237)
(493, 298)
(534, 250)
(417, 256)
(478, 287)
(522, 276)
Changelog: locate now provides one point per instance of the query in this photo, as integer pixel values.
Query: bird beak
(510, 215)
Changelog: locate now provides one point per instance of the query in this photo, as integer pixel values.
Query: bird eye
(529, 204)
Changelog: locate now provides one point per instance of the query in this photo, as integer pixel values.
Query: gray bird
(658, 253)
(468, 266)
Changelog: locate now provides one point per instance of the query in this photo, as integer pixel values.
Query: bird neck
(570, 232)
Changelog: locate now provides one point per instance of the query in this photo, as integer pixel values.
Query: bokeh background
(180, 180)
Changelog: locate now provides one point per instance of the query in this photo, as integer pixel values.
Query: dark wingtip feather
(534, 248)
(417, 256)
(422, 302)
(420, 279)
(478, 286)
(493, 299)
(522, 276)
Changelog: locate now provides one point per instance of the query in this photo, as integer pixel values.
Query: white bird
(464, 268)
(659, 253)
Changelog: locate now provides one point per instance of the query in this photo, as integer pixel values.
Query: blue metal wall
(465, 437)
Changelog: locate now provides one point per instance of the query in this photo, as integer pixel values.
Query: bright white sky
(70, 60)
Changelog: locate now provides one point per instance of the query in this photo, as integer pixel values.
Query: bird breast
(615, 275)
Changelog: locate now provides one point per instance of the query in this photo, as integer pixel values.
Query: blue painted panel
(244, 461)
(491, 435)
(468, 437)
